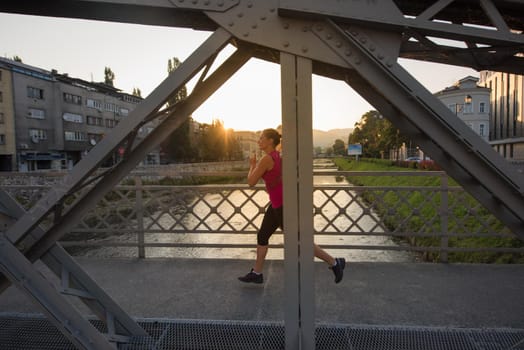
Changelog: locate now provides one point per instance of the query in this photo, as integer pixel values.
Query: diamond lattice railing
(431, 218)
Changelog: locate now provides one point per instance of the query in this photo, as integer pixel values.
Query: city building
(7, 122)
(507, 110)
(248, 141)
(49, 121)
(470, 103)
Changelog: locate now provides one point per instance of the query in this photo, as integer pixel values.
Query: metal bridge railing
(142, 218)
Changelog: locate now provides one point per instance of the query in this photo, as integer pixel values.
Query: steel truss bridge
(355, 41)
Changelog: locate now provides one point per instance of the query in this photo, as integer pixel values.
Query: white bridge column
(297, 150)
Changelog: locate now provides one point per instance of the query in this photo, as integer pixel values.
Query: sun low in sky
(138, 56)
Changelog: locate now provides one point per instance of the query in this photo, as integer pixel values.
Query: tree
(17, 58)
(137, 92)
(376, 135)
(109, 76)
(339, 148)
(178, 146)
(181, 94)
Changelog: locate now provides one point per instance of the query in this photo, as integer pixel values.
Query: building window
(74, 99)
(98, 121)
(111, 107)
(77, 136)
(1, 97)
(33, 92)
(73, 118)
(482, 107)
(1, 118)
(481, 130)
(36, 113)
(94, 103)
(0, 75)
(2, 139)
(37, 134)
(110, 123)
(124, 112)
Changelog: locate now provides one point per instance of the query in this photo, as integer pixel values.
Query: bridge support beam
(16, 263)
(296, 76)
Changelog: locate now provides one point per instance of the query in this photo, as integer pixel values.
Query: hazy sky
(138, 56)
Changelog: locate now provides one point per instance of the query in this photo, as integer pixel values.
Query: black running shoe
(338, 269)
(252, 277)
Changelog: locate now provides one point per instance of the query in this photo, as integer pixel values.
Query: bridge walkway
(399, 294)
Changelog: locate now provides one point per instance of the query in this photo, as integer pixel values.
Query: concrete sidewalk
(400, 294)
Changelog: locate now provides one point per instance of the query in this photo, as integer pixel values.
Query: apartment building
(507, 113)
(55, 119)
(470, 103)
(248, 141)
(7, 123)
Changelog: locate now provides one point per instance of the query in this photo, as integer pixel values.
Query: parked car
(413, 159)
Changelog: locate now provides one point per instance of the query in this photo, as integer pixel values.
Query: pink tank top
(273, 181)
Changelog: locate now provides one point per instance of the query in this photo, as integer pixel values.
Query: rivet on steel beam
(380, 56)
(231, 24)
(220, 3)
(249, 5)
(272, 9)
(338, 44)
(357, 61)
(328, 36)
(285, 43)
(240, 15)
(246, 34)
(286, 25)
(254, 26)
(207, 2)
(372, 48)
(263, 18)
(180, 1)
(354, 33)
(304, 49)
(389, 64)
(305, 28)
(363, 39)
(194, 2)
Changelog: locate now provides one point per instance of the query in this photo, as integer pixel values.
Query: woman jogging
(269, 168)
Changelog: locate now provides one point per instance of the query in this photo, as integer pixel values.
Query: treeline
(377, 136)
(194, 142)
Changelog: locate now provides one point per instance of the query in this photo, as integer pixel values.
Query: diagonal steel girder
(42, 244)
(466, 157)
(490, 30)
(75, 282)
(364, 55)
(370, 57)
(483, 38)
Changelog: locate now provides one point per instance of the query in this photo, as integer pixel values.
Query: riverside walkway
(427, 295)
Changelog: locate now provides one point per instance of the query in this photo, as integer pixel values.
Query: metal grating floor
(28, 332)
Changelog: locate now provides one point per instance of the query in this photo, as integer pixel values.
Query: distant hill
(327, 138)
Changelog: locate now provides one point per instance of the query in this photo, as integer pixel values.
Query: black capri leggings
(272, 220)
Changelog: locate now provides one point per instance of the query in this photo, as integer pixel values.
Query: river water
(366, 221)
